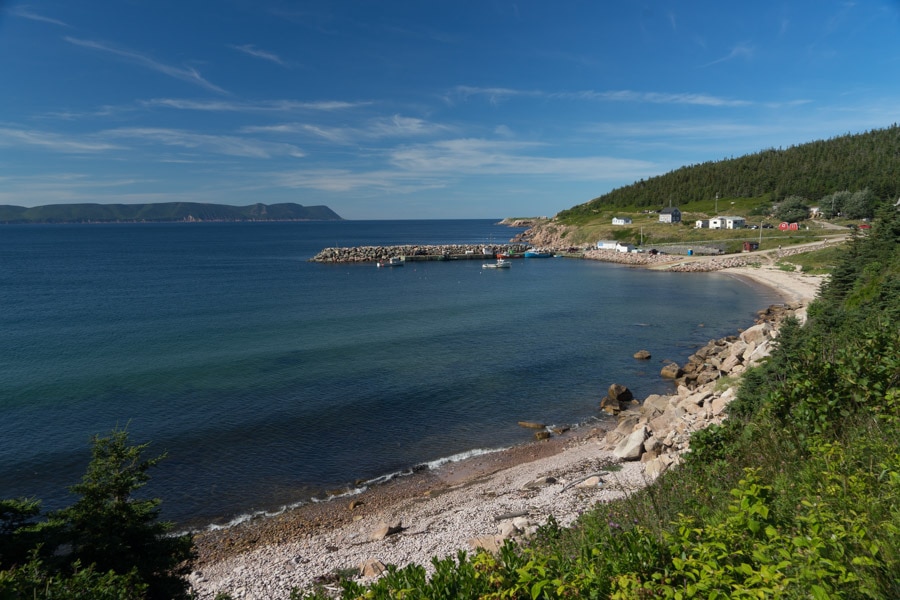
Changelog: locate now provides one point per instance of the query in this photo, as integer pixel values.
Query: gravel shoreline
(436, 512)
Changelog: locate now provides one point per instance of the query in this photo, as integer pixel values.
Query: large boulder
(632, 446)
(491, 543)
(620, 393)
(372, 568)
(655, 405)
(671, 371)
(384, 529)
(616, 396)
(757, 333)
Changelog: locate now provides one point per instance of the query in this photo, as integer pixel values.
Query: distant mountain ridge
(163, 212)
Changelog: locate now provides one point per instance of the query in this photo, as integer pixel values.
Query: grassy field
(646, 231)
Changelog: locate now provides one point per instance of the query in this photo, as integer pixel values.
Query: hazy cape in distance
(163, 212)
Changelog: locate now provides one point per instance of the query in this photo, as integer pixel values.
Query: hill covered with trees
(164, 212)
(813, 170)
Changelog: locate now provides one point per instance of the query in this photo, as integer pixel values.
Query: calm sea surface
(269, 379)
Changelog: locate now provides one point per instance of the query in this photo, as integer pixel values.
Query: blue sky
(420, 108)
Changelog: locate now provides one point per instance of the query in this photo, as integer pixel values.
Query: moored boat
(394, 261)
(501, 263)
(537, 253)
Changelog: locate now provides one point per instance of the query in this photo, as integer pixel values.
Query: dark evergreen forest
(812, 170)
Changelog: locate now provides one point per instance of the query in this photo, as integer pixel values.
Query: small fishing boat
(537, 253)
(394, 261)
(501, 263)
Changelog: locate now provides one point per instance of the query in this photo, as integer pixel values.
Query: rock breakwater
(358, 254)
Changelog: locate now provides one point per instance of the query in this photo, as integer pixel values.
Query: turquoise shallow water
(268, 378)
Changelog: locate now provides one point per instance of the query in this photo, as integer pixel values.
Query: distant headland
(164, 212)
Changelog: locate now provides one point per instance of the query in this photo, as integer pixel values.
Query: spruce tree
(112, 530)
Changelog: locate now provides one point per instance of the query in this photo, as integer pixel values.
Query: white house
(621, 247)
(670, 215)
(727, 223)
(606, 245)
(702, 224)
(621, 221)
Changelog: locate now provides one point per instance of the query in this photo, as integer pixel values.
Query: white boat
(501, 263)
(394, 261)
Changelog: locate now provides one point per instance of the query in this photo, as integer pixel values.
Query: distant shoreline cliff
(164, 212)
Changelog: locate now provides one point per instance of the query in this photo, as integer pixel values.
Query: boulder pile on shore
(657, 431)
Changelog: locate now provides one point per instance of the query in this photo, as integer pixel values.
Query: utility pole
(717, 203)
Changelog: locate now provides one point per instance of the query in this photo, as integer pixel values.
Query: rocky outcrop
(549, 234)
(524, 222)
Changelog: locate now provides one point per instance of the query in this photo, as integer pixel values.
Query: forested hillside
(851, 162)
(164, 212)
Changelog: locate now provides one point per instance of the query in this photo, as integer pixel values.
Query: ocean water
(268, 379)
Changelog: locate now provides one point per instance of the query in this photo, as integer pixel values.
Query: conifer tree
(110, 529)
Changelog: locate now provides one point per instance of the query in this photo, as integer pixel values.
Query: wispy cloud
(494, 94)
(251, 50)
(263, 106)
(361, 182)
(739, 51)
(396, 126)
(659, 130)
(442, 164)
(218, 144)
(23, 13)
(52, 141)
(693, 99)
(188, 74)
(488, 157)
(497, 94)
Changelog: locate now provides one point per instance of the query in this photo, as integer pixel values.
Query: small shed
(751, 246)
(727, 223)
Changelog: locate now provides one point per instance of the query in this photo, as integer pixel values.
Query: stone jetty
(359, 254)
